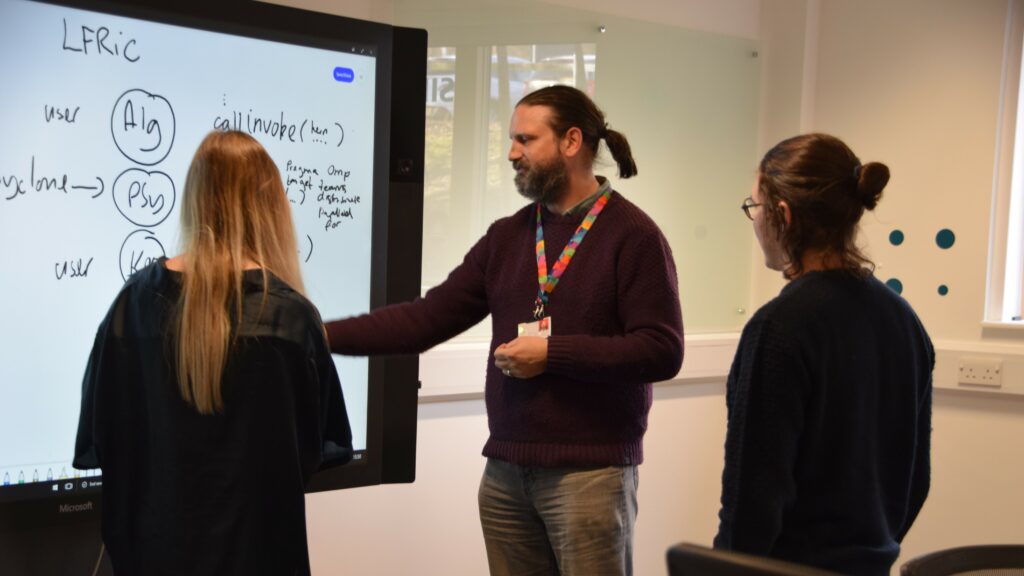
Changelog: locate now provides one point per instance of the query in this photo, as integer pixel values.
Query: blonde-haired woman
(210, 396)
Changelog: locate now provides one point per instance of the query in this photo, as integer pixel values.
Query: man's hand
(524, 357)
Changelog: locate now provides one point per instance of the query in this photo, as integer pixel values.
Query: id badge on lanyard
(541, 328)
(541, 325)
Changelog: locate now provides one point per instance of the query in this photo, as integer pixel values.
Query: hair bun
(871, 180)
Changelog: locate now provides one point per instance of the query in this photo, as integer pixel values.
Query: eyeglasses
(749, 203)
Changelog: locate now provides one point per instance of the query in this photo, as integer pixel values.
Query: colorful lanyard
(548, 283)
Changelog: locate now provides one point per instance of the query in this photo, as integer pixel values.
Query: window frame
(1004, 302)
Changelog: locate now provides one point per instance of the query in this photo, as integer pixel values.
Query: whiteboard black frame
(396, 222)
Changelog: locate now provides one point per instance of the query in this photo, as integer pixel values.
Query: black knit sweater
(827, 451)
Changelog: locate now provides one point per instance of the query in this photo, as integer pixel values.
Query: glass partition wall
(687, 101)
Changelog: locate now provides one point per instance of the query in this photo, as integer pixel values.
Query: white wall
(431, 526)
(913, 83)
(730, 17)
(372, 10)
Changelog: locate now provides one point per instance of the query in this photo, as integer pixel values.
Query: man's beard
(544, 183)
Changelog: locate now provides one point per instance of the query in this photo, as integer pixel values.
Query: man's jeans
(551, 521)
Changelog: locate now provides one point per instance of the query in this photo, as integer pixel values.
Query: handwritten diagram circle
(139, 250)
(143, 126)
(144, 198)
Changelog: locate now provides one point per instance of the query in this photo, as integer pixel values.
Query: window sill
(456, 371)
(1000, 326)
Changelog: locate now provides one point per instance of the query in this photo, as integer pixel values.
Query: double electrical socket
(981, 372)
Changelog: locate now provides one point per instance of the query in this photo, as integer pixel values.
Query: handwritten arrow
(96, 195)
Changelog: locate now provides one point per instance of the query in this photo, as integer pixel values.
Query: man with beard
(569, 387)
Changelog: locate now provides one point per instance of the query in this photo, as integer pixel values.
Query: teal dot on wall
(895, 284)
(896, 237)
(945, 238)
(943, 290)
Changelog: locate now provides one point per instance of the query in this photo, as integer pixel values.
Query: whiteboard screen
(101, 117)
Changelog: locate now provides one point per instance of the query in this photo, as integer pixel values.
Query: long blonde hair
(234, 210)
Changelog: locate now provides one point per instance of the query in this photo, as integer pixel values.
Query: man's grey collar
(586, 203)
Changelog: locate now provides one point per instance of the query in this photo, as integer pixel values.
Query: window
(468, 179)
(1006, 240)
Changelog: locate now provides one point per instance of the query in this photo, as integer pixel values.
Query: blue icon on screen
(342, 74)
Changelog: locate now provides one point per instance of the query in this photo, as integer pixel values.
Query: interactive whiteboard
(101, 117)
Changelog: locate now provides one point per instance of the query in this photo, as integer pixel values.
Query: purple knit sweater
(616, 328)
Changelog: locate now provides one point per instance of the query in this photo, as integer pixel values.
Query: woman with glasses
(829, 395)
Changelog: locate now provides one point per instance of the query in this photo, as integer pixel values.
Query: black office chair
(993, 560)
(686, 559)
